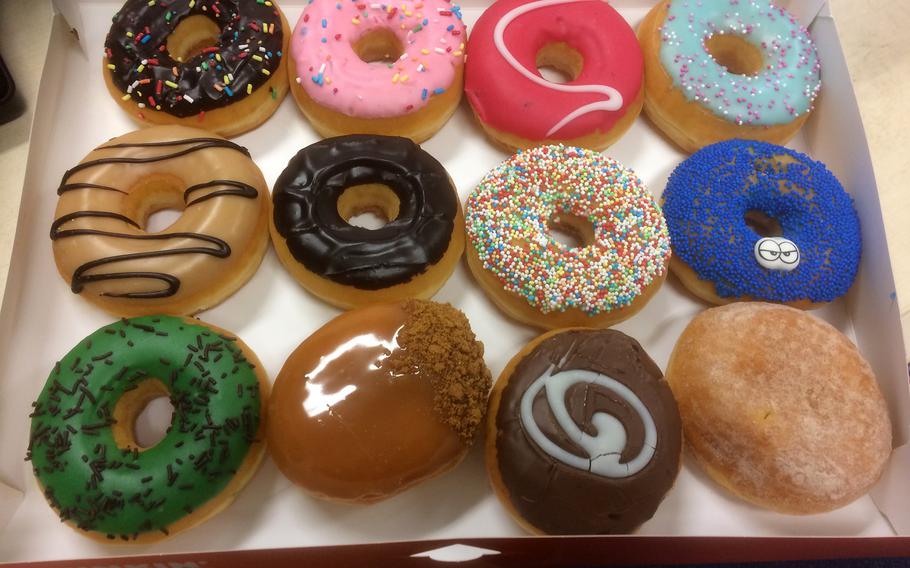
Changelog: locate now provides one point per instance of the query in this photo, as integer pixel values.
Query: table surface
(872, 33)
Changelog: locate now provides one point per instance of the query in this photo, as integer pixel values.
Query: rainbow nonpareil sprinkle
(508, 217)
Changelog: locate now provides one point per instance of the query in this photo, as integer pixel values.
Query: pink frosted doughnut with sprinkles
(378, 68)
(723, 69)
(623, 244)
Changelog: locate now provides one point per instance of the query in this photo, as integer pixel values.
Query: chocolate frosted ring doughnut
(215, 65)
(329, 182)
(583, 434)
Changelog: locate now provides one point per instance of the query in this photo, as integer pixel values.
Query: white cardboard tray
(41, 320)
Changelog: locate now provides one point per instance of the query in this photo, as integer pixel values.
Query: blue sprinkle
(423, 95)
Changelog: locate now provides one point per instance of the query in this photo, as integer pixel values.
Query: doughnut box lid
(453, 518)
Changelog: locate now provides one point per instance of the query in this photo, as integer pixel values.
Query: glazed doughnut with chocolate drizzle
(101, 245)
(583, 434)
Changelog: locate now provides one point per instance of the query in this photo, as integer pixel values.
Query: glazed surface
(98, 235)
(353, 418)
(122, 492)
(306, 212)
(507, 92)
(430, 33)
(247, 52)
(705, 204)
(588, 434)
(784, 89)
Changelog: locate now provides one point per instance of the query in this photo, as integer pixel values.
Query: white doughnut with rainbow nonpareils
(432, 37)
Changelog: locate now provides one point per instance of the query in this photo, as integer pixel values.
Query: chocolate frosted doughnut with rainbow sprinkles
(623, 244)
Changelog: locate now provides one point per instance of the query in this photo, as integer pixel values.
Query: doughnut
(369, 68)
(753, 221)
(378, 400)
(623, 250)
(99, 239)
(331, 181)
(212, 64)
(779, 407)
(583, 434)
(585, 39)
(727, 69)
(83, 450)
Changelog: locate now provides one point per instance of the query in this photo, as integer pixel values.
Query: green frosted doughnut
(82, 448)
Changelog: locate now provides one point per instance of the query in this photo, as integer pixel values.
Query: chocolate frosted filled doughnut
(583, 434)
(378, 400)
(331, 181)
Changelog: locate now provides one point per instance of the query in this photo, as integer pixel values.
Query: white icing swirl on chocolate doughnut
(604, 449)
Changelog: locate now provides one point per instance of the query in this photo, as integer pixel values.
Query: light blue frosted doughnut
(784, 90)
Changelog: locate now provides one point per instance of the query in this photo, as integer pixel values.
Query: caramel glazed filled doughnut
(213, 64)
(103, 251)
(583, 434)
(82, 445)
(378, 400)
(329, 182)
(779, 407)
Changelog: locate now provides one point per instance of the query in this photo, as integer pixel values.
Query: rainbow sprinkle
(507, 221)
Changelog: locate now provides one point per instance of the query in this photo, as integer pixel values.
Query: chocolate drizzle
(219, 248)
(306, 211)
(247, 52)
(560, 499)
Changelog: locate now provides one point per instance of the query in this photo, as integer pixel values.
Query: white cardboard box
(41, 320)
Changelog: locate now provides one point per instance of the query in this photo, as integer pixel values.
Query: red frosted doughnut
(510, 96)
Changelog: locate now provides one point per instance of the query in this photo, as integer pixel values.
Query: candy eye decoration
(777, 253)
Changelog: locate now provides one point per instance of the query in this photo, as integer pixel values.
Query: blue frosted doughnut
(705, 204)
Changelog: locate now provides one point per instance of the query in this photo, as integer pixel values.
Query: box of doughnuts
(509, 283)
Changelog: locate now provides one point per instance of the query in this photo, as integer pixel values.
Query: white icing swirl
(605, 448)
(614, 98)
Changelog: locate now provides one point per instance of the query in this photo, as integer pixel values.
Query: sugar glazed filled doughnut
(99, 239)
(378, 400)
(623, 251)
(83, 449)
(329, 182)
(378, 68)
(754, 221)
(727, 69)
(583, 434)
(585, 39)
(212, 64)
(779, 407)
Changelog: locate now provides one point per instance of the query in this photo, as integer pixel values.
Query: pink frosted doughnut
(412, 95)
(587, 39)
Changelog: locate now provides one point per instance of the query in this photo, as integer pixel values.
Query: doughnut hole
(571, 231)
(763, 224)
(143, 416)
(156, 202)
(369, 206)
(735, 53)
(559, 62)
(380, 45)
(191, 36)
